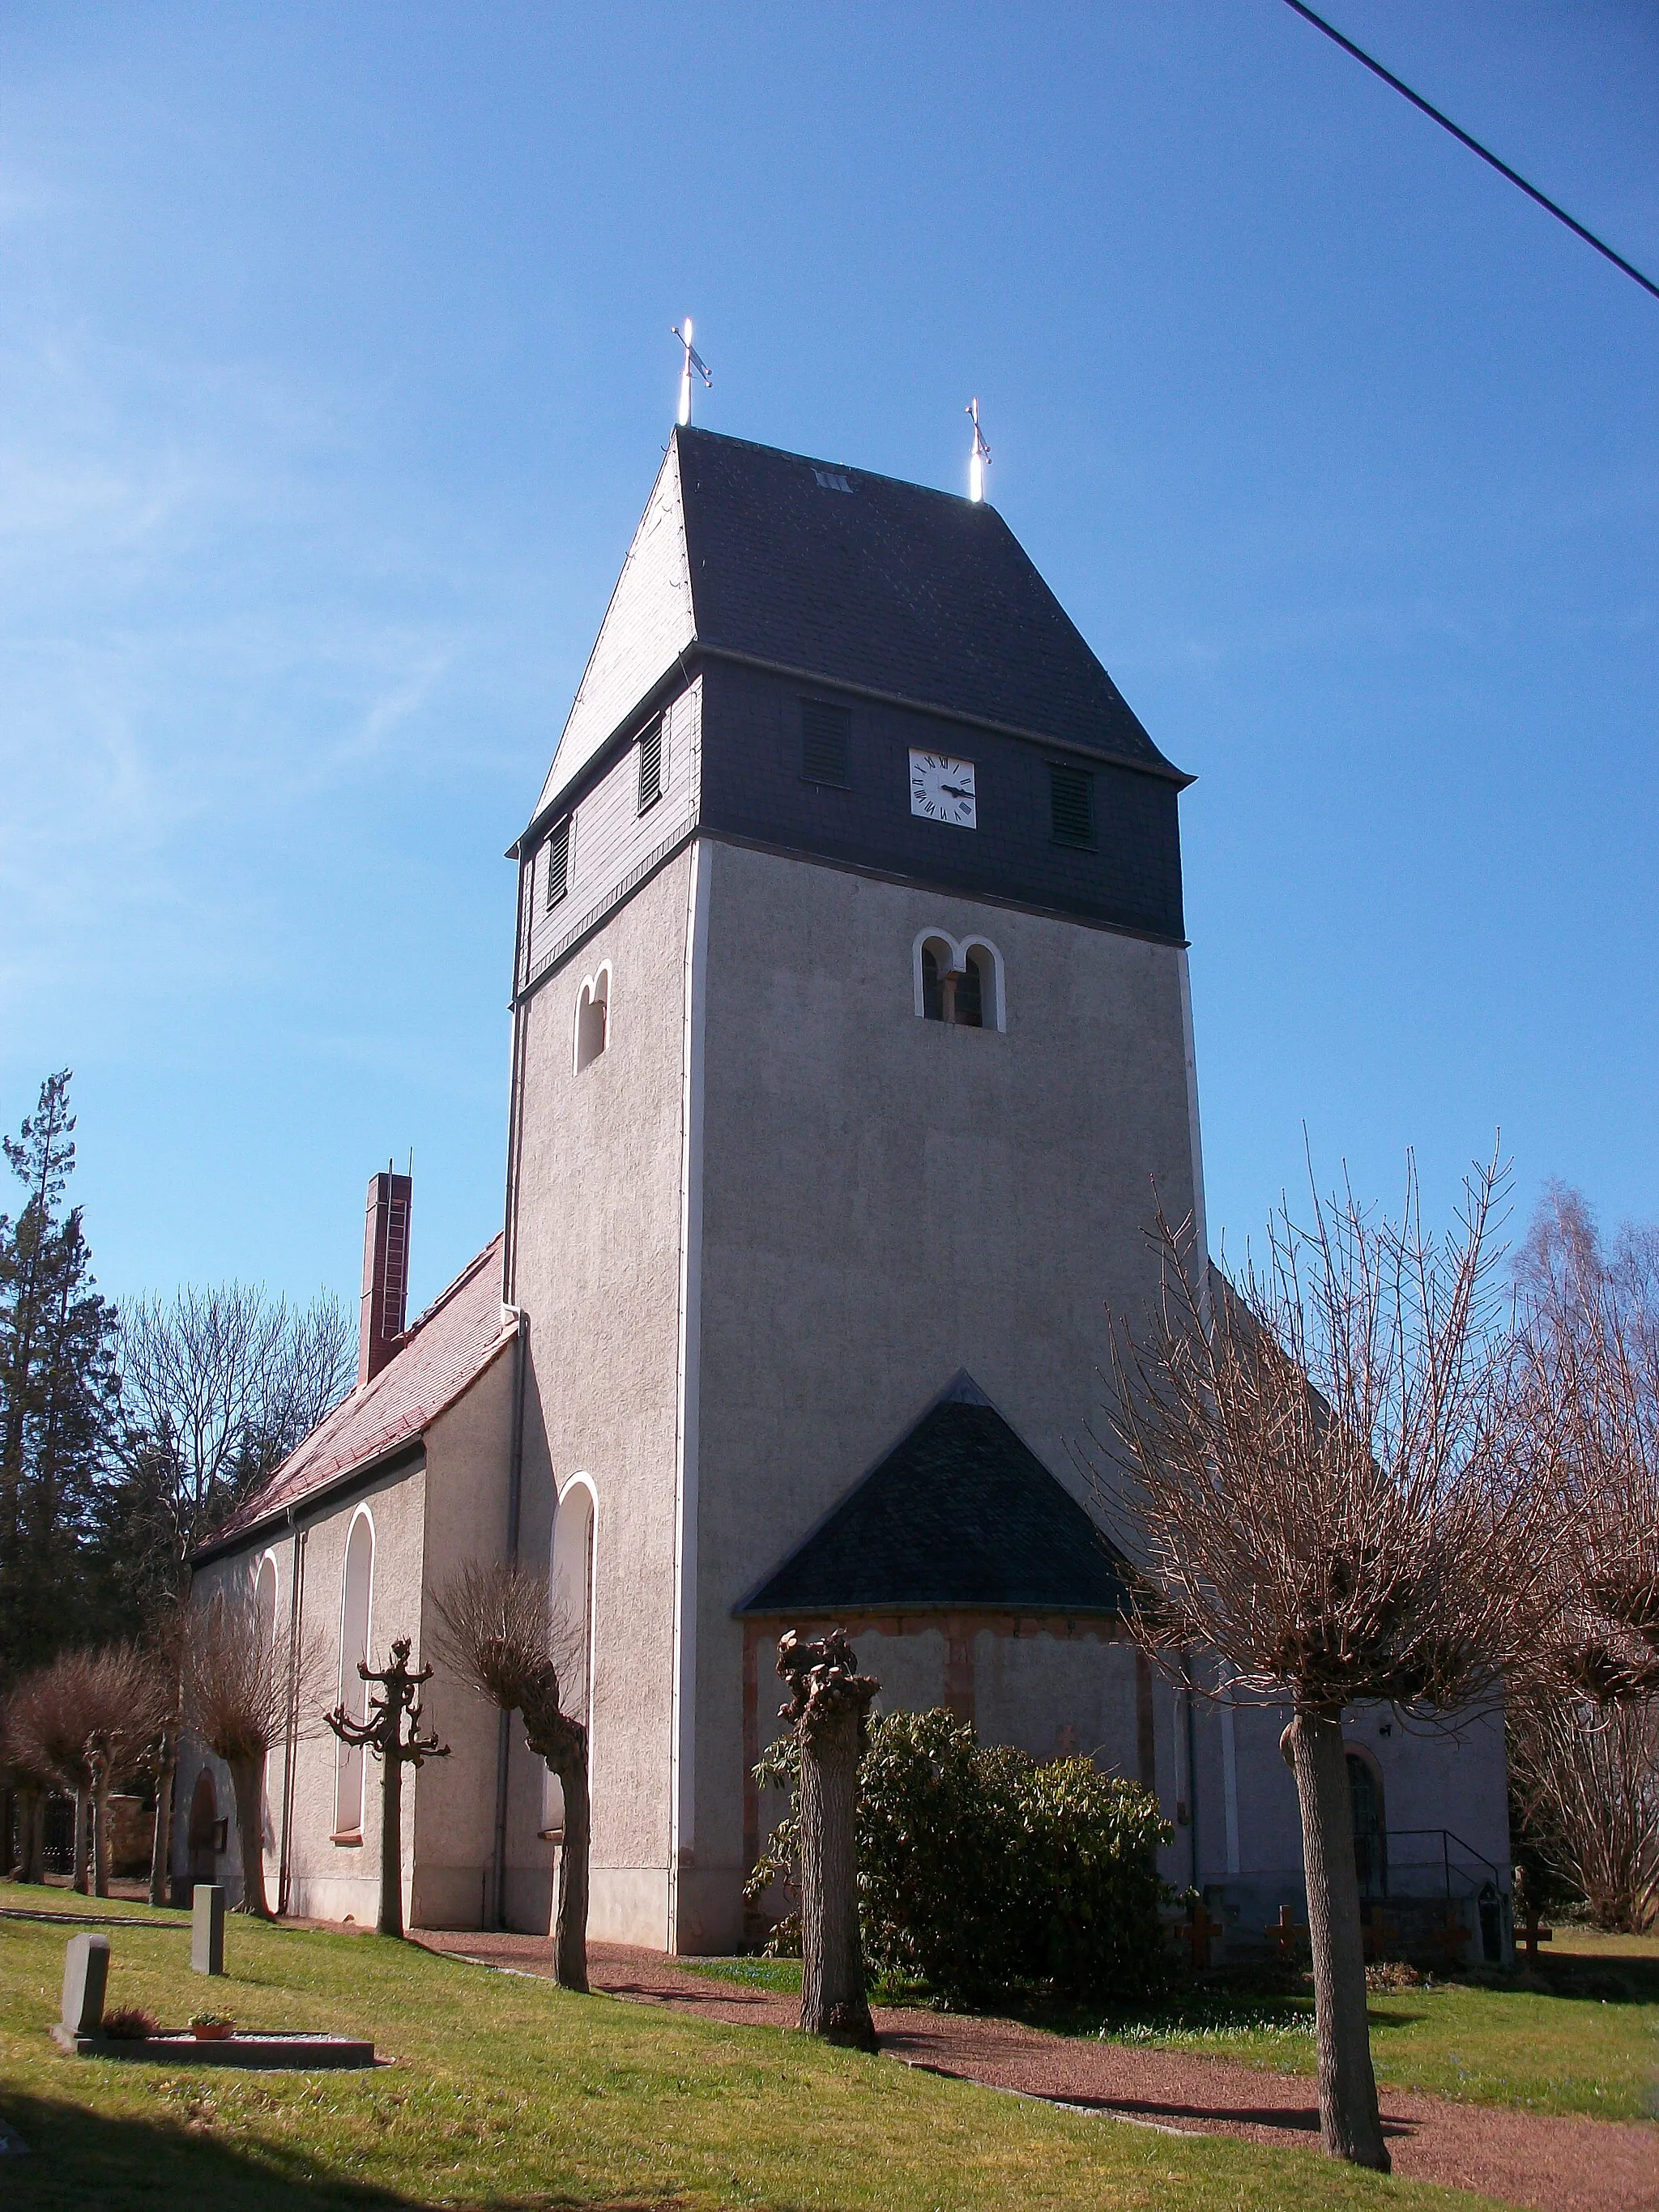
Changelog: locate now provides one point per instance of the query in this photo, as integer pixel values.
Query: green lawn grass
(507, 2093)
(1582, 2036)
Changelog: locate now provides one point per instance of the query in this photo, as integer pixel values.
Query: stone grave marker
(86, 1977)
(207, 1929)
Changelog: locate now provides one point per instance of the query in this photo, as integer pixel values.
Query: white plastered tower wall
(598, 1206)
(884, 1200)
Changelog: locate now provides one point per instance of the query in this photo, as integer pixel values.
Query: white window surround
(956, 950)
(572, 1576)
(356, 1617)
(591, 1025)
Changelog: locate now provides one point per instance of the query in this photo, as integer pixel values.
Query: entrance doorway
(1371, 1855)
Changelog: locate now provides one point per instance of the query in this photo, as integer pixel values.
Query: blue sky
(334, 371)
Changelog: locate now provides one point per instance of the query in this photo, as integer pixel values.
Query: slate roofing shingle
(890, 586)
(960, 1514)
(444, 1352)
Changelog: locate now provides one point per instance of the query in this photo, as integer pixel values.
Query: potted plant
(212, 2026)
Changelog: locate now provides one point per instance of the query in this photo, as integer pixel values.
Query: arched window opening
(354, 1600)
(969, 995)
(264, 1624)
(1371, 1852)
(570, 1592)
(932, 984)
(593, 1018)
(202, 1837)
(987, 970)
(264, 1602)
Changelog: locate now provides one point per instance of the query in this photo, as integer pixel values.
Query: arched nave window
(356, 1594)
(570, 1604)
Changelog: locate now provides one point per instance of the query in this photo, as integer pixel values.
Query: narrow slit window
(558, 862)
(826, 743)
(651, 765)
(1070, 805)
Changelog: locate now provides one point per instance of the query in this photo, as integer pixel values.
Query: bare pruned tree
(1591, 1779)
(28, 1777)
(391, 1731)
(1584, 1728)
(502, 1633)
(89, 1719)
(241, 1674)
(1311, 1464)
(1588, 1393)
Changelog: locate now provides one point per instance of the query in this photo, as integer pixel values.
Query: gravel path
(1522, 2158)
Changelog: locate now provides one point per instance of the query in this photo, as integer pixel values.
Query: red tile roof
(443, 1355)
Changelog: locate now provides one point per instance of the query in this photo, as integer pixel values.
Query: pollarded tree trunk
(82, 1845)
(31, 1833)
(570, 1938)
(1349, 2119)
(828, 1707)
(100, 1852)
(833, 2001)
(160, 1849)
(247, 1782)
(389, 1921)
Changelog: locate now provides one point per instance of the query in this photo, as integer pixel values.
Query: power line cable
(1474, 146)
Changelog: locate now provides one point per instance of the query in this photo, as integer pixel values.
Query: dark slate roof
(959, 1516)
(890, 588)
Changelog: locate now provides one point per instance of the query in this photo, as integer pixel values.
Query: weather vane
(981, 454)
(693, 360)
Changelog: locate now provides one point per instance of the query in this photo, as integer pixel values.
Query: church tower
(851, 1035)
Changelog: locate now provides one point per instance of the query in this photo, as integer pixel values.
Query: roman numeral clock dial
(942, 789)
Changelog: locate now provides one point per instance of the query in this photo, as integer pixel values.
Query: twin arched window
(959, 981)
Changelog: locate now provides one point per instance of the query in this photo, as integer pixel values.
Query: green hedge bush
(982, 1868)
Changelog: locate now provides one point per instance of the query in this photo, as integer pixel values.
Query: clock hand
(956, 790)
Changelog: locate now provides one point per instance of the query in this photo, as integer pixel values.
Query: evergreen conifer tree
(57, 1392)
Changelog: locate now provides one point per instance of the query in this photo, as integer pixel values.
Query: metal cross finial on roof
(981, 455)
(693, 360)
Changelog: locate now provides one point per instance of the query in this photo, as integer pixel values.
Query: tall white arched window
(958, 980)
(264, 1624)
(592, 1017)
(570, 1592)
(356, 1594)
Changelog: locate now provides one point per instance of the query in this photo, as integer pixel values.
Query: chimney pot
(385, 1274)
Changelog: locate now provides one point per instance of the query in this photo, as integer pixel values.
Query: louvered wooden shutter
(558, 862)
(1071, 811)
(651, 765)
(825, 743)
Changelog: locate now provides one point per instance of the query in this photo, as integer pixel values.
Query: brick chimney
(385, 1274)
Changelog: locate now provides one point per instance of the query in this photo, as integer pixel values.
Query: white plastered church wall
(596, 1243)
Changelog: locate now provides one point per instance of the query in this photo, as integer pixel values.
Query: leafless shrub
(246, 1683)
(1591, 1779)
(502, 1633)
(1312, 1466)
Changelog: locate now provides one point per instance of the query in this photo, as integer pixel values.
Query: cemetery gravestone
(207, 1929)
(86, 1977)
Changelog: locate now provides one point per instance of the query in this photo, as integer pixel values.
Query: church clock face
(942, 789)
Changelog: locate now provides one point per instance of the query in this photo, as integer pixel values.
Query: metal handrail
(1447, 1839)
